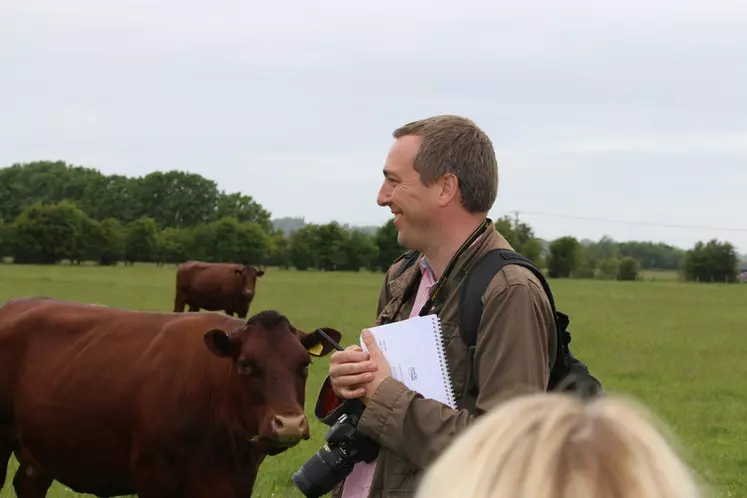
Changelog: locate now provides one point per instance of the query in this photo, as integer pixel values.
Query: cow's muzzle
(286, 430)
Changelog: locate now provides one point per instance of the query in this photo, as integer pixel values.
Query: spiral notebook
(414, 349)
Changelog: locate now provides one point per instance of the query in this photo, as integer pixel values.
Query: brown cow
(216, 286)
(111, 402)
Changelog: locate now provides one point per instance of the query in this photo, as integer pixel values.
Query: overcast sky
(648, 99)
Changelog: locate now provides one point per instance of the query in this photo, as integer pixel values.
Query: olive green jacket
(514, 354)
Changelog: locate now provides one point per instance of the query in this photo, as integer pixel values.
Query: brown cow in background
(114, 402)
(216, 286)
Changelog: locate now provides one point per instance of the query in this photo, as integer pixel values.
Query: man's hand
(382, 370)
(348, 370)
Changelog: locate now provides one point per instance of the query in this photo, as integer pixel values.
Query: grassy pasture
(679, 348)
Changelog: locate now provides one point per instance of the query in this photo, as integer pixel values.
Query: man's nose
(384, 195)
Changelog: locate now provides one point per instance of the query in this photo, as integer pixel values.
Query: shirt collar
(425, 268)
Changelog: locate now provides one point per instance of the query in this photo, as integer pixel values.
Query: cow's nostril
(277, 425)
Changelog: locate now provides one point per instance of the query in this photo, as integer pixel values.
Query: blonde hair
(551, 445)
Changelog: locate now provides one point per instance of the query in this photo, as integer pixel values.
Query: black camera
(334, 461)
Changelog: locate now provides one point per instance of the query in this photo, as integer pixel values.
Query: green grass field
(679, 348)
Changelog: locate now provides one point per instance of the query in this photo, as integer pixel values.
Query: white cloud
(74, 120)
(643, 98)
(730, 143)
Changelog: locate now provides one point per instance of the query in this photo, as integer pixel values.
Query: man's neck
(443, 249)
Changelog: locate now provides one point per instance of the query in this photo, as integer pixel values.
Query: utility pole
(516, 213)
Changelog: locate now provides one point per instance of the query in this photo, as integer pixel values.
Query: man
(440, 181)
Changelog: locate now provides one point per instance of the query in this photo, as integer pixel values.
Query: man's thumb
(368, 340)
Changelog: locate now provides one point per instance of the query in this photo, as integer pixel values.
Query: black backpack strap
(471, 307)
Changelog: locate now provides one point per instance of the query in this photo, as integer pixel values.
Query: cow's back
(82, 378)
(211, 286)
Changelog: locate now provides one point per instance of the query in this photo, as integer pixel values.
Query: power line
(646, 223)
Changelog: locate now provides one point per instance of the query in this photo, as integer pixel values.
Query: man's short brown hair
(453, 144)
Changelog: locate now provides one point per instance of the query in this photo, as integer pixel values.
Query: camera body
(334, 461)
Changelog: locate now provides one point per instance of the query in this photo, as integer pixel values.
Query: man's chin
(401, 238)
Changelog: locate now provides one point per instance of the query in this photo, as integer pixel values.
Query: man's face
(413, 204)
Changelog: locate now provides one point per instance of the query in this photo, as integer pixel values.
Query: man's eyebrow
(389, 174)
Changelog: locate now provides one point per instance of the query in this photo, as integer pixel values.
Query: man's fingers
(352, 380)
(349, 356)
(342, 369)
(348, 393)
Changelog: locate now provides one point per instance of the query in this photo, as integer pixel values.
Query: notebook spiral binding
(444, 362)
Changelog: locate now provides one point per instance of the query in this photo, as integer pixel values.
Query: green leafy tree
(564, 257)
(4, 240)
(172, 245)
(521, 238)
(609, 268)
(361, 251)
(331, 240)
(713, 261)
(141, 240)
(279, 252)
(113, 234)
(47, 234)
(305, 247)
(92, 242)
(244, 209)
(176, 198)
(387, 244)
(629, 268)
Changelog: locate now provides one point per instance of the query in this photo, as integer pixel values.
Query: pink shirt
(358, 483)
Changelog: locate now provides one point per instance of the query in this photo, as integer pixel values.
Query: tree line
(52, 212)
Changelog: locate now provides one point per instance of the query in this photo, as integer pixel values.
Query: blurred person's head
(552, 445)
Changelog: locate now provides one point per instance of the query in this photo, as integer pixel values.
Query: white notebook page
(415, 352)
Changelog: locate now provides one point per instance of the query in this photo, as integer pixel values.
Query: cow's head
(271, 361)
(248, 277)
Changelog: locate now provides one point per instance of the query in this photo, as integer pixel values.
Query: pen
(331, 341)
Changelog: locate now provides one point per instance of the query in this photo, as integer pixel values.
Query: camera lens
(322, 472)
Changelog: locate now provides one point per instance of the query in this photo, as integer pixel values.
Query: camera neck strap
(435, 293)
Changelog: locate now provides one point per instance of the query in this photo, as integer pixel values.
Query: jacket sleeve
(511, 357)
(328, 404)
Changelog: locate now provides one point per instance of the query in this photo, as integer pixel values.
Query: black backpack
(568, 373)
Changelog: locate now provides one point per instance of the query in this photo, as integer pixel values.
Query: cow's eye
(247, 367)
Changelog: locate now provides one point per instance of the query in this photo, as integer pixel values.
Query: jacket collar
(489, 239)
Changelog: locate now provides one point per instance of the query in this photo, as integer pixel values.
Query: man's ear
(449, 189)
(317, 345)
(220, 344)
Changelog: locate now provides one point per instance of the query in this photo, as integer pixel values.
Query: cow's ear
(237, 272)
(317, 345)
(260, 273)
(220, 344)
